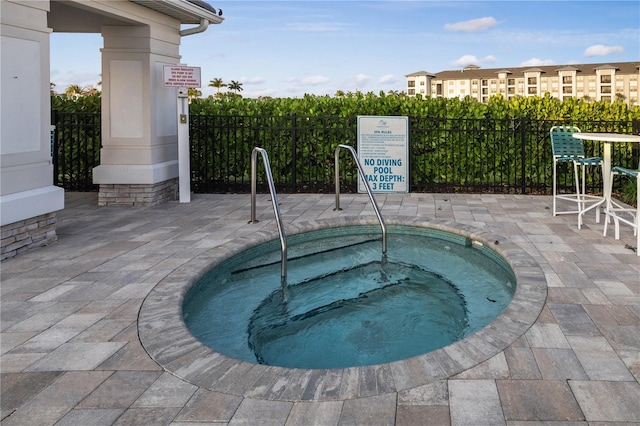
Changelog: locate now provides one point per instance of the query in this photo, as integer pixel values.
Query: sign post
(182, 77)
(383, 151)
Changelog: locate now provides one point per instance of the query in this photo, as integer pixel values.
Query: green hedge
(539, 108)
(456, 144)
(479, 136)
(545, 108)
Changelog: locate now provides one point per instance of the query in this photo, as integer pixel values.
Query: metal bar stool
(630, 215)
(567, 149)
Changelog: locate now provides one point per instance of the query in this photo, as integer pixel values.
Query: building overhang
(187, 11)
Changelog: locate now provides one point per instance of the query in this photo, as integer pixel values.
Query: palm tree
(339, 94)
(620, 97)
(235, 86)
(75, 90)
(91, 91)
(193, 93)
(218, 83)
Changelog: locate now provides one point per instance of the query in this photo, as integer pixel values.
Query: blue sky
(289, 48)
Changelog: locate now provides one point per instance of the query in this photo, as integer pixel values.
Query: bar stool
(567, 149)
(613, 208)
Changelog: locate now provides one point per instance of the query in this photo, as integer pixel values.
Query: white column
(26, 170)
(139, 130)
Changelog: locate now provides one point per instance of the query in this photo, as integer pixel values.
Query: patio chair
(616, 208)
(567, 149)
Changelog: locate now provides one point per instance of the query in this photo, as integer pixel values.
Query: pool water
(345, 304)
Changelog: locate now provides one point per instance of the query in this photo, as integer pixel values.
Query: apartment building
(598, 82)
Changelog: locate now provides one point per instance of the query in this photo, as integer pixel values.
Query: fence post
(294, 153)
(523, 155)
(635, 153)
(54, 145)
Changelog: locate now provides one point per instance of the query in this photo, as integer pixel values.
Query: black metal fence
(446, 155)
(75, 149)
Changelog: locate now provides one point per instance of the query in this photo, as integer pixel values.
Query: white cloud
(314, 80)
(466, 60)
(62, 80)
(259, 93)
(474, 25)
(602, 50)
(388, 79)
(362, 79)
(534, 62)
(252, 80)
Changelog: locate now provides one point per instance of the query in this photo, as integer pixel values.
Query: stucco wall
(26, 173)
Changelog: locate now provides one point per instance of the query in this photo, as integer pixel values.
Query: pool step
(301, 253)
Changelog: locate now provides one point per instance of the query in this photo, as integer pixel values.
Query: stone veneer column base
(138, 194)
(24, 235)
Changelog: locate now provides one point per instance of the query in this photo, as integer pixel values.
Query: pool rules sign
(383, 150)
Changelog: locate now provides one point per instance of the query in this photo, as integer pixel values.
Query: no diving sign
(384, 153)
(181, 76)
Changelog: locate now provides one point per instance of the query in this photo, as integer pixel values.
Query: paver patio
(71, 352)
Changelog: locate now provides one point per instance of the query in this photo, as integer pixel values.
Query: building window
(567, 79)
(412, 83)
(532, 91)
(511, 81)
(606, 98)
(412, 92)
(605, 89)
(567, 89)
(422, 83)
(605, 79)
(532, 80)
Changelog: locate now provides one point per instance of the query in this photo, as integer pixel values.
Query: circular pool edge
(166, 338)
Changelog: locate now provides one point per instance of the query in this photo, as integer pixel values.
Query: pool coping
(168, 341)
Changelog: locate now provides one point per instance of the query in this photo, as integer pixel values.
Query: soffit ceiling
(80, 17)
(187, 11)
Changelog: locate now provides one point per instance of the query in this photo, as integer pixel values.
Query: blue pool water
(345, 304)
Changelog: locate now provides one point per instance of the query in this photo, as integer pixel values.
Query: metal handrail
(366, 185)
(274, 201)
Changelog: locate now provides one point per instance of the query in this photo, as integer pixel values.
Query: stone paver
(71, 354)
(605, 401)
(538, 400)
